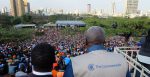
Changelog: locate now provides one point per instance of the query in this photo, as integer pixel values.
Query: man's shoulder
(24, 76)
(99, 56)
(116, 55)
(99, 53)
(32, 75)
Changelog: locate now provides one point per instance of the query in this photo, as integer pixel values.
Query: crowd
(116, 41)
(15, 58)
(63, 41)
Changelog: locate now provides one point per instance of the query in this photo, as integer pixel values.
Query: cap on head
(95, 34)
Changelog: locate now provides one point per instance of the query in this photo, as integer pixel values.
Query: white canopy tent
(25, 26)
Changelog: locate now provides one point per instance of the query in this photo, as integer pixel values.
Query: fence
(130, 53)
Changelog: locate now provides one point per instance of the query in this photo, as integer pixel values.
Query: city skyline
(131, 6)
(74, 4)
(19, 7)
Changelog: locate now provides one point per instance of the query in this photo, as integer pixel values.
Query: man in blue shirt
(97, 62)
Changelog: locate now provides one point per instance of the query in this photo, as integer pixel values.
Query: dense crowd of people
(15, 58)
(63, 41)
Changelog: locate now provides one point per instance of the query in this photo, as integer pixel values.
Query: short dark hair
(43, 57)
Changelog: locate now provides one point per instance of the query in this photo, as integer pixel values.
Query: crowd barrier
(130, 53)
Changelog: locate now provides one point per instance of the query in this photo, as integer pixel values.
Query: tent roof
(70, 22)
(25, 25)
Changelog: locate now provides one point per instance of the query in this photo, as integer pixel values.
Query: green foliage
(137, 25)
(54, 18)
(5, 21)
(26, 18)
(14, 34)
(8, 21)
(16, 20)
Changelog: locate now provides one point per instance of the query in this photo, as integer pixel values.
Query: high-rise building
(20, 8)
(13, 6)
(76, 12)
(148, 13)
(26, 6)
(88, 8)
(113, 8)
(131, 6)
(4, 10)
(17, 7)
(25, 2)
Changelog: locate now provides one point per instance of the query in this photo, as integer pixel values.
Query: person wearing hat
(97, 62)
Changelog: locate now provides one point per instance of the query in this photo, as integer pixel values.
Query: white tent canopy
(25, 26)
(70, 23)
(49, 25)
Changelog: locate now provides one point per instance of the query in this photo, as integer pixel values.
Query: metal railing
(130, 53)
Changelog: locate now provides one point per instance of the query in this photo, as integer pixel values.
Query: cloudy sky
(70, 5)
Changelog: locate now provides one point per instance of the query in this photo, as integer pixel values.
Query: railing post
(134, 73)
(142, 73)
(126, 52)
(133, 60)
(115, 50)
(132, 54)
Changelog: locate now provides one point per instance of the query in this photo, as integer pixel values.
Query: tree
(54, 18)
(26, 18)
(5, 21)
(16, 20)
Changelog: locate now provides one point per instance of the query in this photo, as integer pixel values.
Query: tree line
(112, 25)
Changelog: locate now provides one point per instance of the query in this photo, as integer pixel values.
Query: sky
(81, 5)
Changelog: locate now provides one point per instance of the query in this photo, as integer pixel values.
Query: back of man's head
(43, 57)
(95, 35)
